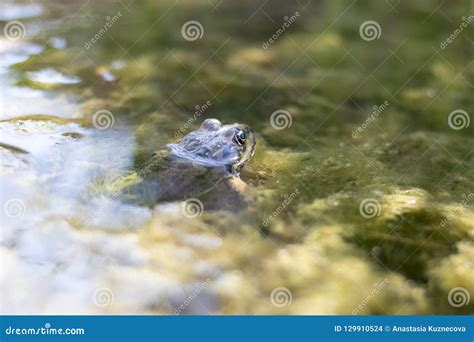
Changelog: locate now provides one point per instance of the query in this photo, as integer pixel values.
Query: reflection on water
(51, 76)
(72, 243)
(19, 100)
(45, 179)
(12, 11)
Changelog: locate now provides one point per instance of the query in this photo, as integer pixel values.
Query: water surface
(363, 189)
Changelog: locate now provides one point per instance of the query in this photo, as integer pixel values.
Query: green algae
(311, 177)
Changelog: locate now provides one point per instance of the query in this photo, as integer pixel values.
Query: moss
(335, 154)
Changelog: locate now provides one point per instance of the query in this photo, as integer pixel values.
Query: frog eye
(239, 137)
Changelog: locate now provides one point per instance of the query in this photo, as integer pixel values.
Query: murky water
(360, 192)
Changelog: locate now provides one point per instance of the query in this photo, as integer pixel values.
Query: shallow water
(361, 189)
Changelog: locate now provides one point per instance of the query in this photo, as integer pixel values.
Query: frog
(205, 165)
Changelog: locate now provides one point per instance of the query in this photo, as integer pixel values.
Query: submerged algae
(331, 258)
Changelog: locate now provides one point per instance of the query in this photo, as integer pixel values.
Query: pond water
(359, 198)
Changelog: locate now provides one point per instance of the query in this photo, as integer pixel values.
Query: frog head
(216, 145)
